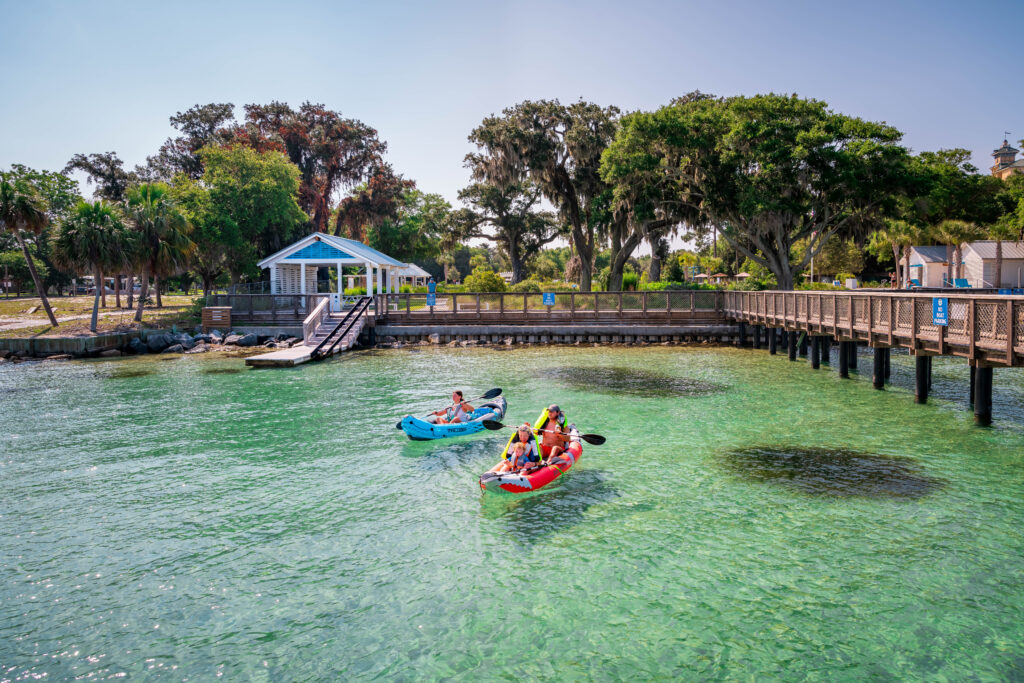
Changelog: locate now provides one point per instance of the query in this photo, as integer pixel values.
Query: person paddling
(459, 411)
(551, 429)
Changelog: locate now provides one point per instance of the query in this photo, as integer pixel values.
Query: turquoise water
(182, 518)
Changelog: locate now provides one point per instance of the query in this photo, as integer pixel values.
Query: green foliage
(525, 286)
(355, 291)
(13, 263)
(769, 170)
(559, 148)
(483, 279)
(415, 231)
(630, 282)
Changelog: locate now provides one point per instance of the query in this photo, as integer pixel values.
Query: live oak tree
(507, 216)
(331, 152)
(768, 171)
(378, 199)
(106, 171)
(558, 147)
(201, 126)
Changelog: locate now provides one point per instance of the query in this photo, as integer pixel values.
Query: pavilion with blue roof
(293, 270)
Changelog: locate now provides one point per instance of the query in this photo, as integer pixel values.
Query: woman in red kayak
(522, 454)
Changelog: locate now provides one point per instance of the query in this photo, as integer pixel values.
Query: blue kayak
(422, 429)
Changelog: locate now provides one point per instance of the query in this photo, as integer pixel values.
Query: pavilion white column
(341, 283)
(275, 279)
(380, 280)
(302, 278)
(369, 278)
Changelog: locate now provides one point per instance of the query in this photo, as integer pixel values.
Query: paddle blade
(493, 425)
(493, 393)
(398, 425)
(595, 439)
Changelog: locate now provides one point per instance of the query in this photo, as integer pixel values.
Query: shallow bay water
(175, 518)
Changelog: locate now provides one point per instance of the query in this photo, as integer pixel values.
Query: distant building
(928, 266)
(1007, 162)
(980, 264)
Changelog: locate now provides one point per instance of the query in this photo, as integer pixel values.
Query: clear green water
(175, 518)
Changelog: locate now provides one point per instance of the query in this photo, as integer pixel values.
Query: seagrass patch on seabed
(832, 472)
(629, 381)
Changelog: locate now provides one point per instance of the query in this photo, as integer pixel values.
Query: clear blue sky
(93, 77)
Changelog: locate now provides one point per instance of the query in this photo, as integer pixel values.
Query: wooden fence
(267, 308)
(566, 307)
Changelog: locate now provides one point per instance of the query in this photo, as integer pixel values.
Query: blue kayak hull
(419, 429)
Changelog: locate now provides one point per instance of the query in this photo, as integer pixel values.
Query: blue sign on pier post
(431, 299)
(549, 298)
(940, 311)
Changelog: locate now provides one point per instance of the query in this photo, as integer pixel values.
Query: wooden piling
(816, 352)
(803, 345)
(852, 349)
(878, 372)
(921, 379)
(971, 394)
(983, 395)
(826, 350)
(791, 344)
(773, 341)
(757, 336)
(844, 360)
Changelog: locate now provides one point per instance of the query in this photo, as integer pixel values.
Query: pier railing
(562, 307)
(986, 328)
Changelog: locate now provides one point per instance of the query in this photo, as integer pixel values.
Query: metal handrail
(353, 316)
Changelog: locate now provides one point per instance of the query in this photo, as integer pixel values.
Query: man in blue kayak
(459, 411)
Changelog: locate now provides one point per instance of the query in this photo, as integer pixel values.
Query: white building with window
(295, 269)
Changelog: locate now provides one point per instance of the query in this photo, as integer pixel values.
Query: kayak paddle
(493, 393)
(593, 439)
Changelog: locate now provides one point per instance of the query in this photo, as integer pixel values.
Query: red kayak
(513, 482)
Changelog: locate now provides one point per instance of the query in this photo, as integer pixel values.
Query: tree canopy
(768, 171)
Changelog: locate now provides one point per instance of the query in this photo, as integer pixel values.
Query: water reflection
(530, 517)
(828, 472)
(629, 381)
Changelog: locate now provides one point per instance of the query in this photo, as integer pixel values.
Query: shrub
(630, 282)
(526, 286)
(484, 280)
(355, 291)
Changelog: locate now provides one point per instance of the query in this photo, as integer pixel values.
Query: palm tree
(162, 234)
(953, 233)
(1003, 229)
(91, 239)
(899, 236)
(21, 208)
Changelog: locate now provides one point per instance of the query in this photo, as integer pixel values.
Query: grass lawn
(175, 312)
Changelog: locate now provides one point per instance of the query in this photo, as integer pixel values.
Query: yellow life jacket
(511, 440)
(543, 420)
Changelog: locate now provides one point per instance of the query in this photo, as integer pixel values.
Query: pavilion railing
(267, 307)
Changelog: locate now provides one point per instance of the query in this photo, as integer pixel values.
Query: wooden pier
(987, 330)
